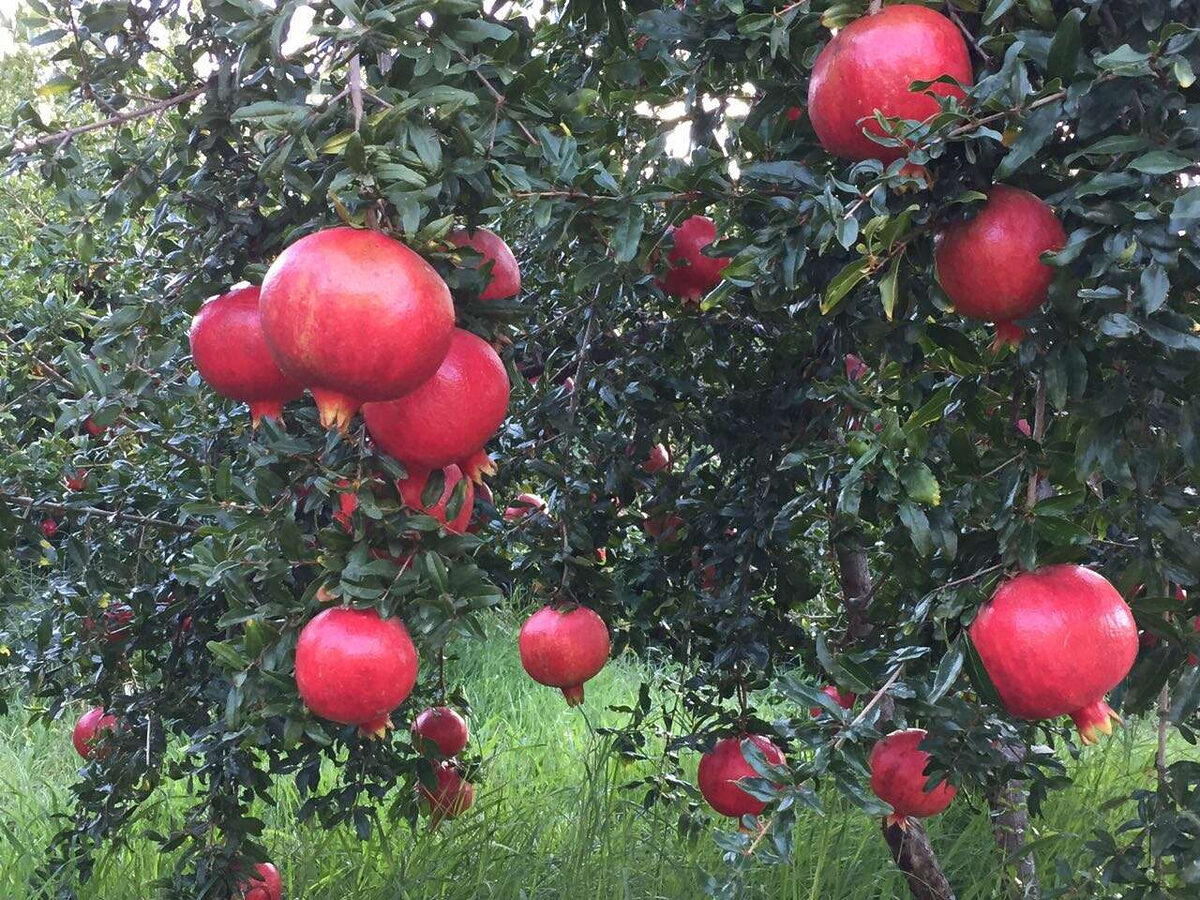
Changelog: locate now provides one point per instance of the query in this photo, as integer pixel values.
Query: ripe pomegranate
(441, 727)
(855, 367)
(231, 354)
(691, 274)
(722, 767)
(659, 459)
(453, 795)
(412, 487)
(600, 554)
(76, 481)
(563, 648)
(354, 316)
(505, 278)
(524, 505)
(347, 505)
(663, 527)
(870, 66)
(92, 428)
(990, 266)
(898, 777)
(844, 699)
(87, 732)
(448, 419)
(264, 884)
(117, 619)
(354, 667)
(48, 527)
(1054, 641)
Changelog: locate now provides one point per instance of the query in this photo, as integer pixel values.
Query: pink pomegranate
(441, 727)
(1054, 642)
(871, 64)
(691, 274)
(659, 459)
(524, 505)
(48, 527)
(347, 505)
(563, 648)
(844, 699)
(413, 487)
(453, 795)
(794, 113)
(264, 884)
(505, 278)
(231, 354)
(990, 266)
(354, 667)
(92, 428)
(898, 777)
(355, 316)
(76, 481)
(449, 418)
(722, 767)
(664, 526)
(88, 730)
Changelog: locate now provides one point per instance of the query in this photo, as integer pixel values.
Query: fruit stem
(336, 409)
(573, 694)
(875, 7)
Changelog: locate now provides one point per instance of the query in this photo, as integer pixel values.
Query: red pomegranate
(48, 527)
(691, 274)
(722, 767)
(347, 504)
(87, 732)
(659, 459)
(855, 367)
(1054, 642)
(76, 481)
(231, 354)
(563, 648)
(412, 487)
(990, 266)
(794, 113)
(870, 65)
(453, 795)
(524, 505)
(600, 554)
(354, 667)
(844, 699)
(663, 527)
(116, 619)
(441, 727)
(898, 777)
(354, 316)
(92, 428)
(448, 419)
(505, 278)
(264, 884)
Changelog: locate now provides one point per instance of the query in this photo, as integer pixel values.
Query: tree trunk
(855, 578)
(1010, 819)
(914, 857)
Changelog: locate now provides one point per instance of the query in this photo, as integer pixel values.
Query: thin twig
(871, 704)
(67, 508)
(500, 99)
(62, 137)
(1039, 433)
(962, 26)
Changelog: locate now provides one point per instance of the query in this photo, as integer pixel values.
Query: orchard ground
(552, 819)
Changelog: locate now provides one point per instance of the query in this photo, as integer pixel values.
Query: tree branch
(67, 508)
(62, 137)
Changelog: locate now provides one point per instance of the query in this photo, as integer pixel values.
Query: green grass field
(551, 820)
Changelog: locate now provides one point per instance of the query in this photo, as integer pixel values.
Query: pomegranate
(898, 777)
(524, 505)
(440, 727)
(449, 418)
(264, 884)
(354, 316)
(354, 667)
(1054, 642)
(990, 266)
(117, 621)
(600, 554)
(452, 796)
(48, 527)
(563, 648)
(855, 367)
(659, 459)
(412, 487)
(505, 278)
(794, 113)
(844, 699)
(663, 527)
(722, 767)
(231, 354)
(870, 65)
(87, 732)
(691, 274)
(347, 505)
(92, 428)
(76, 481)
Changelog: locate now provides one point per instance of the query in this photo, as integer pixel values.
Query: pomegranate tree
(264, 884)
(441, 727)
(355, 316)
(412, 491)
(1054, 642)
(449, 418)
(991, 267)
(690, 273)
(869, 67)
(899, 777)
(722, 767)
(354, 667)
(504, 279)
(88, 730)
(450, 797)
(230, 352)
(563, 648)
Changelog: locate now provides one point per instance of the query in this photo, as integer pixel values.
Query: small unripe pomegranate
(722, 767)
(87, 732)
(231, 354)
(563, 648)
(898, 777)
(453, 795)
(663, 527)
(691, 274)
(1054, 642)
(413, 487)
(855, 367)
(48, 527)
(659, 459)
(524, 505)
(355, 316)
(990, 266)
(76, 481)
(794, 113)
(844, 699)
(92, 428)
(600, 554)
(440, 727)
(871, 64)
(505, 278)
(354, 667)
(449, 418)
(263, 884)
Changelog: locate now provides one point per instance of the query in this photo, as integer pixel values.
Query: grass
(551, 820)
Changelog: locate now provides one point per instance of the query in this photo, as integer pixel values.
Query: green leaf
(917, 523)
(1160, 162)
(947, 671)
(920, 484)
(889, 287)
(843, 283)
(627, 234)
(1064, 49)
(1037, 129)
(1155, 285)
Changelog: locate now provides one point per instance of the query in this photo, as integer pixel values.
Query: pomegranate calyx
(337, 410)
(1096, 719)
(896, 820)
(376, 729)
(477, 465)
(265, 409)
(1008, 334)
(574, 694)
